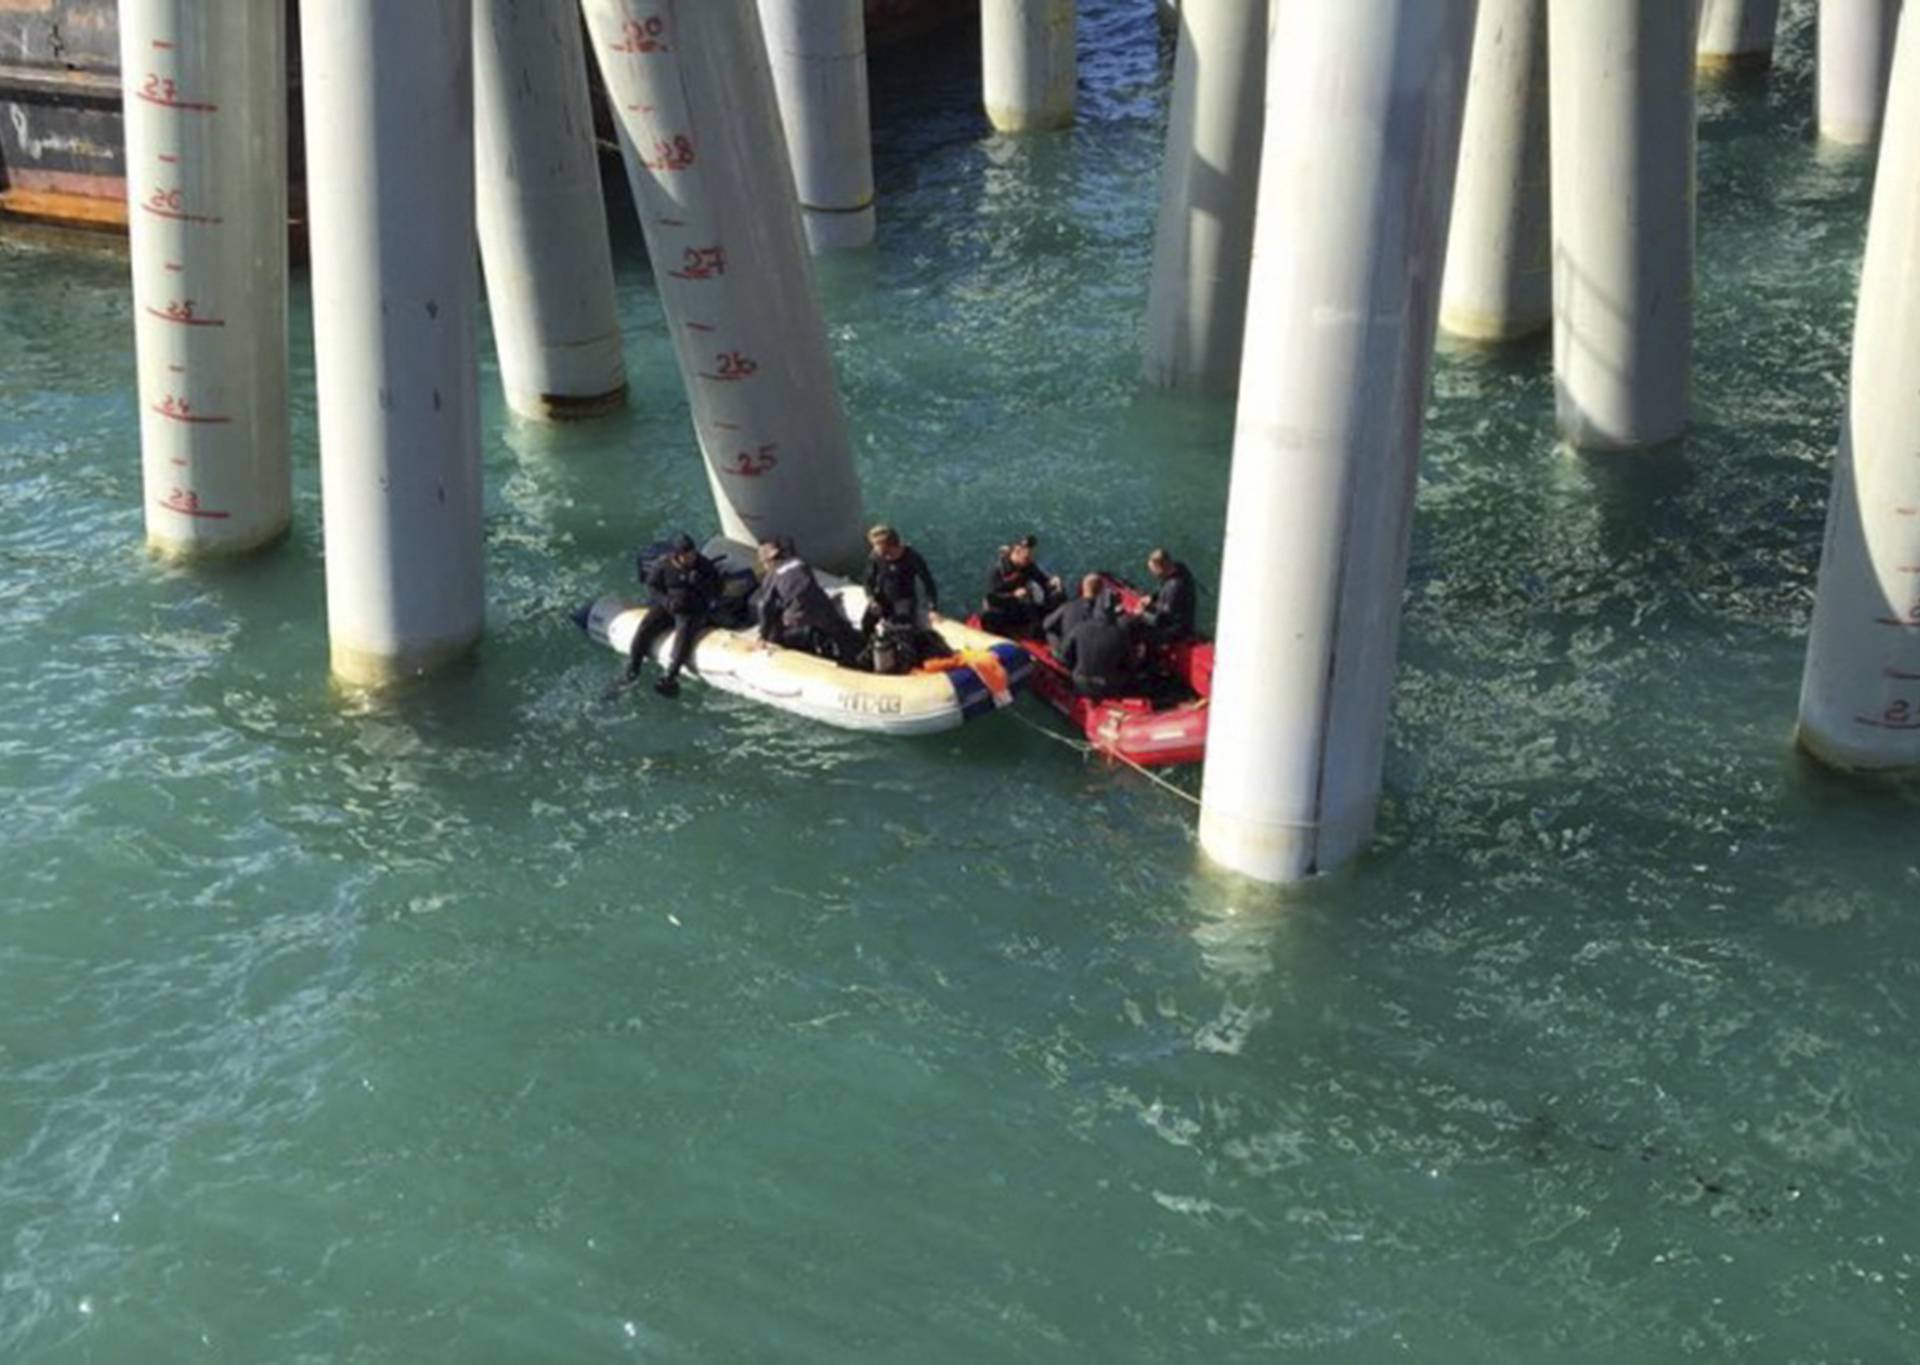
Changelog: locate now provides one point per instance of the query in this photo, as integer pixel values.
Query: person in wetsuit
(900, 586)
(795, 611)
(1100, 651)
(1063, 620)
(682, 587)
(1019, 592)
(1171, 614)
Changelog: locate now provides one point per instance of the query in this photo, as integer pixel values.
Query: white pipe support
(690, 88)
(1854, 54)
(1737, 36)
(1029, 64)
(1622, 93)
(542, 216)
(1365, 103)
(818, 51)
(1499, 277)
(1209, 181)
(389, 121)
(1860, 695)
(206, 162)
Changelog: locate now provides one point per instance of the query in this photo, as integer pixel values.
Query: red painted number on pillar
(730, 367)
(701, 263)
(670, 154)
(752, 464)
(642, 35)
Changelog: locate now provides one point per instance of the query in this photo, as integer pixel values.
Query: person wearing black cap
(795, 611)
(682, 587)
(1019, 591)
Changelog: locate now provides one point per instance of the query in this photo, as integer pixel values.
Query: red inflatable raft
(1135, 728)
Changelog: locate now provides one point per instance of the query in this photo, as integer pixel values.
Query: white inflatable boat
(983, 677)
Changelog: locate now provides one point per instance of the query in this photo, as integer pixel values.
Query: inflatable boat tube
(985, 677)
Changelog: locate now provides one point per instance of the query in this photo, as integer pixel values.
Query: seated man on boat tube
(900, 586)
(1171, 615)
(795, 611)
(682, 586)
(1019, 592)
(1101, 651)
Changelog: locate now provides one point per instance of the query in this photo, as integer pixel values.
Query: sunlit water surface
(494, 1023)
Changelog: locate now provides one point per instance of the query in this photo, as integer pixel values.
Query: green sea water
(490, 1022)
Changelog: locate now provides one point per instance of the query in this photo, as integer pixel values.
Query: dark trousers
(657, 622)
(839, 642)
(1100, 688)
(1020, 621)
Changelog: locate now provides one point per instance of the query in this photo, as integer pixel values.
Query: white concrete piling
(1736, 36)
(542, 218)
(1499, 277)
(1855, 54)
(1029, 63)
(1365, 102)
(689, 84)
(206, 160)
(1209, 178)
(1860, 697)
(818, 50)
(389, 121)
(1622, 83)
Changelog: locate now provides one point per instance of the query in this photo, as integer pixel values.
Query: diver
(900, 586)
(1063, 620)
(1019, 592)
(1100, 651)
(796, 612)
(682, 586)
(1171, 615)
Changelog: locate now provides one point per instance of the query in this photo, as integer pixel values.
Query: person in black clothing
(1063, 620)
(896, 575)
(1019, 592)
(795, 611)
(1100, 651)
(1171, 615)
(681, 589)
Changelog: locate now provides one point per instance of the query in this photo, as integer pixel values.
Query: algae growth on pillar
(206, 166)
(690, 87)
(1622, 83)
(1029, 63)
(818, 51)
(1860, 697)
(1209, 179)
(1365, 102)
(542, 216)
(1736, 36)
(389, 123)
(1499, 276)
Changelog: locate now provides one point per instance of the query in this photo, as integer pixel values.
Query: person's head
(771, 553)
(1159, 562)
(683, 549)
(1092, 585)
(885, 542)
(1020, 553)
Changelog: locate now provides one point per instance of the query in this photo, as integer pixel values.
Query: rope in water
(1085, 750)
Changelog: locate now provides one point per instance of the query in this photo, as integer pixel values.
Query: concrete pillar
(818, 49)
(1623, 213)
(206, 139)
(1365, 100)
(689, 84)
(543, 222)
(1860, 698)
(1737, 36)
(1855, 49)
(1499, 277)
(1029, 63)
(1209, 178)
(389, 118)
